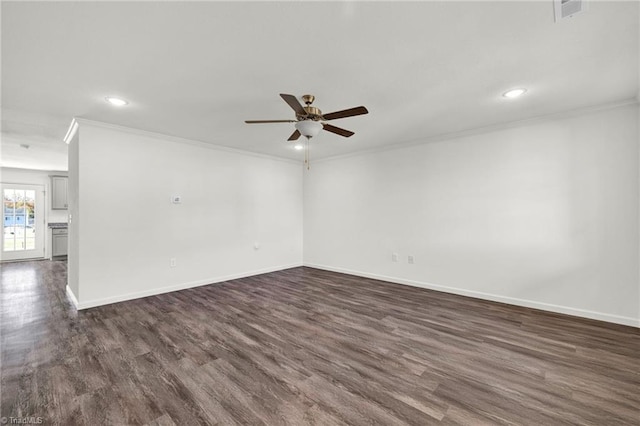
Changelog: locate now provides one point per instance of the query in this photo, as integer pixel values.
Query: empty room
(320, 213)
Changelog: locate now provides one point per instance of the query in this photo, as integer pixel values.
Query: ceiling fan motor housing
(313, 113)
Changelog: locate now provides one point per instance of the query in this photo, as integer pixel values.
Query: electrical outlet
(394, 257)
(411, 259)
(172, 262)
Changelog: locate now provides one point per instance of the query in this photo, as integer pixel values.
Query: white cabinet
(59, 193)
(59, 242)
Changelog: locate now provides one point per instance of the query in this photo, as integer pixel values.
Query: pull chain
(306, 152)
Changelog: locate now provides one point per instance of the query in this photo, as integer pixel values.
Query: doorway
(23, 222)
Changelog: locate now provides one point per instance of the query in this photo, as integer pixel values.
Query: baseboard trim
(183, 286)
(616, 319)
(72, 297)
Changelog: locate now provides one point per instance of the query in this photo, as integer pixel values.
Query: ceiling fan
(309, 119)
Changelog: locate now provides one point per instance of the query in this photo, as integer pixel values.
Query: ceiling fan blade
(345, 113)
(268, 121)
(337, 130)
(293, 103)
(294, 136)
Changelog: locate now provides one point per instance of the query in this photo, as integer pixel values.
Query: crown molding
(23, 170)
(176, 139)
(405, 144)
(487, 129)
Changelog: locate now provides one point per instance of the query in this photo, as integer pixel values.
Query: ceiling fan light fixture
(309, 128)
(298, 146)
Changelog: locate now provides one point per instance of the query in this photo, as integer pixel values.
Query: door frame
(39, 224)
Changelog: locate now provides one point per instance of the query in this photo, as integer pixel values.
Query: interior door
(23, 217)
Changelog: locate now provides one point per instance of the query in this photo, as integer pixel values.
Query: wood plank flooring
(306, 347)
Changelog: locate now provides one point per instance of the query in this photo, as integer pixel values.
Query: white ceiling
(197, 70)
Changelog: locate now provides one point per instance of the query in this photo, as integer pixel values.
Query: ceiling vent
(567, 8)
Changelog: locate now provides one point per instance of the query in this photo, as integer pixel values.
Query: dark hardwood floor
(305, 346)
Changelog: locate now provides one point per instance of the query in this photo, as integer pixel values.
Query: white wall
(128, 230)
(542, 215)
(37, 177)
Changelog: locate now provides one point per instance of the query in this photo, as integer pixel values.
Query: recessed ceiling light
(514, 93)
(298, 147)
(116, 101)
